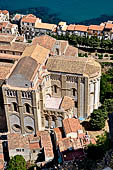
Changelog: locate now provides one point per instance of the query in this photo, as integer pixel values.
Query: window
(76, 104)
(27, 108)
(15, 107)
(74, 92)
(55, 88)
(46, 121)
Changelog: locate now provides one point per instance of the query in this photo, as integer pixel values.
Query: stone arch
(55, 88)
(46, 121)
(15, 124)
(53, 121)
(59, 119)
(15, 106)
(27, 108)
(29, 124)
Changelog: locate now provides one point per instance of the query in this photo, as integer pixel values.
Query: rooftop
(4, 69)
(45, 41)
(26, 67)
(96, 27)
(37, 52)
(74, 65)
(45, 26)
(71, 125)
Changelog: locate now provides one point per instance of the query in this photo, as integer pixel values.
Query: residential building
(44, 28)
(28, 23)
(71, 140)
(61, 28)
(10, 29)
(4, 15)
(96, 30)
(31, 147)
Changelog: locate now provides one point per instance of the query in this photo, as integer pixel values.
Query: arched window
(53, 122)
(74, 91)
(27, 108)
(55, 89)
(46, 122)
(59, 121)
(15, 107)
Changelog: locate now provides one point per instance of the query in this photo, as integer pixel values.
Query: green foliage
(29, 41)
(108, 106)
(17, 163)
(93, 41)
(97, 119)
(98, 150)
(106, 86)
(100, 56)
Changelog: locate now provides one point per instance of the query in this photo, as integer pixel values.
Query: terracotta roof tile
(71, 125)
(82, 28)
(71, 27)
(108, 26)
(47, 144)
(37, 52)
(96, 27)
(45, 26)
(71, 51)
(84, 66)
(4, 69)
(45, 41)
(58, 133)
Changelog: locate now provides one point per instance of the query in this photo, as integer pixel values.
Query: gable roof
(37, 52)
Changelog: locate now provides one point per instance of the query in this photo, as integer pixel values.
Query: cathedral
(48, 83)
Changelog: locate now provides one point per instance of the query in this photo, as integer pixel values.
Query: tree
(98, 150)
(17, 163)
(97, 119)
(106, 85)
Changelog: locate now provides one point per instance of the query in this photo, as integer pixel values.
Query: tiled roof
(67, 103)
(26, 67)
(4, 24)
(71, 27)
(58, 133)
(45, 26)
(4, 12)
(74, 65)
(108, 26)
(71, 125)
(29, 18)
(19, 39)
(4, 69)
(96, 27)
(71, 51)
(47, 144)
(37, 52)
(6, 38)
(81, 28)
(17, 141)
(45, 41)
(15, 46)
(9, 56)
